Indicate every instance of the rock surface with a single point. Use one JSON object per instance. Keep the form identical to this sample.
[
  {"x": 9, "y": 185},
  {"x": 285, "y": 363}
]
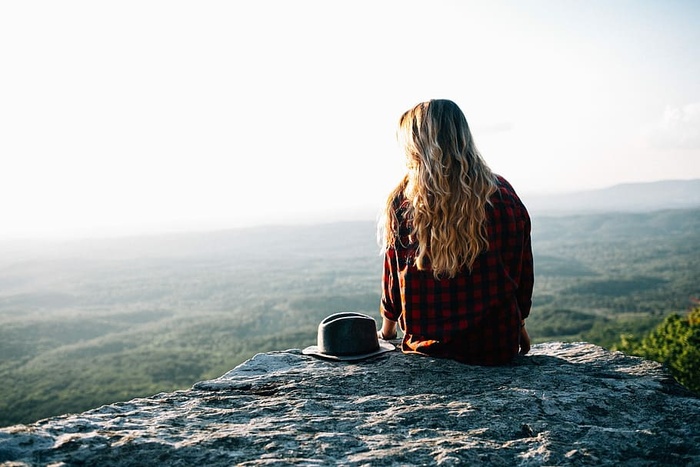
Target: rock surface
[{"x": 563, "y": 404}]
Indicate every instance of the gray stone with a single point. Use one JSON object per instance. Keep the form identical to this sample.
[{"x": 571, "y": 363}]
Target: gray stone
[{"x": 563, "y": 404}]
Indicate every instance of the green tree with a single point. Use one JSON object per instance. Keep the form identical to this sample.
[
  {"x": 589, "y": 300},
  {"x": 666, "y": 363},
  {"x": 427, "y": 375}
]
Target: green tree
[{"x": 676, "y": 343}]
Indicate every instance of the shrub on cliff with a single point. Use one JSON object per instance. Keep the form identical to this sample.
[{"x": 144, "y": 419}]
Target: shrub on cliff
[{"x": 676, "y": 343}]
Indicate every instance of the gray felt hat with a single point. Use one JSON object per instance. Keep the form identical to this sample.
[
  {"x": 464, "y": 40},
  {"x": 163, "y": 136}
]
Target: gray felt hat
[{"x": 348, "y": 336}]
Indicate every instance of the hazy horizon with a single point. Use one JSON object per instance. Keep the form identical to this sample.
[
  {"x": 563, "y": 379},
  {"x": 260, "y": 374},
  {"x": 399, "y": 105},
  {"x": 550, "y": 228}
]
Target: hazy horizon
[
  {"x": 152, "y": 116},
  {"x": 564, "y": 203}
]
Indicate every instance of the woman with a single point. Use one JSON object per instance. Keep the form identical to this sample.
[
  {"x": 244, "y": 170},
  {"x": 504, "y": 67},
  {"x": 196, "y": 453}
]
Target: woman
[{"x": 458, "y": 270}]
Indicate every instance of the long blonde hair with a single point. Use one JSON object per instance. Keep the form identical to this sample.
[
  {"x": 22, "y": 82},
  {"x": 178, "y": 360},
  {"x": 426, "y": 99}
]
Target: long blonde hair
[{"x": 448, "y": 186}]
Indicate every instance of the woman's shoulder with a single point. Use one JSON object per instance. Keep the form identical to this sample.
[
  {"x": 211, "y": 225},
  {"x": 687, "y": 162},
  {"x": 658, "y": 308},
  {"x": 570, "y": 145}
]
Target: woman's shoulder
[
  {"x": 503, "y": 188},
  {"x": 503, "y": 184},
  {"x": 505, "y": 193}
]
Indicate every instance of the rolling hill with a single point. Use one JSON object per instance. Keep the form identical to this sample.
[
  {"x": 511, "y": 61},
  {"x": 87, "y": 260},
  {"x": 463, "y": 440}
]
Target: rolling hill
[{"x": 628, "y": 197}]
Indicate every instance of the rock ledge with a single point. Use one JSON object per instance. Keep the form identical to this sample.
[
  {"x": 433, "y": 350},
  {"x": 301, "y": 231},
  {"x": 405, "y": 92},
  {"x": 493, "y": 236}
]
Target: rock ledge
[{"x": 564, "y": 404}]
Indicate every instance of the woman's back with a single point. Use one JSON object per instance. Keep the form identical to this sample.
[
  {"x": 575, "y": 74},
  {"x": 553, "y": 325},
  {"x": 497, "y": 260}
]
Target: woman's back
[{"x": 474, "y": 316}]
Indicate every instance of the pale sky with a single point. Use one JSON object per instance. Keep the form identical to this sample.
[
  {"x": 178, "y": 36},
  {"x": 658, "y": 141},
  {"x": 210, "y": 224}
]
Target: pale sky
[{"x": 121, "y": 117}]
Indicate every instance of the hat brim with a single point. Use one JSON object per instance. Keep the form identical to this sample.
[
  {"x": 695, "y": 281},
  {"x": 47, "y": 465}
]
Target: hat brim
[{"x": 316, "y": 352}]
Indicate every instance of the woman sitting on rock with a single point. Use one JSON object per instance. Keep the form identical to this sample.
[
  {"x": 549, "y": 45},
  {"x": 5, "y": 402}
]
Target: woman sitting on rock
[{"x": 458, "y": 270}]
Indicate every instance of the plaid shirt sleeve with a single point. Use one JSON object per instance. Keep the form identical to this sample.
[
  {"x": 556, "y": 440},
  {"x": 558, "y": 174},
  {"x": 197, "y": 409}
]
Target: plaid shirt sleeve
[
  {"x": 391, "y": 292},
  {"x": 488, "y": 302},
  {"x": 527, "y": 274}
]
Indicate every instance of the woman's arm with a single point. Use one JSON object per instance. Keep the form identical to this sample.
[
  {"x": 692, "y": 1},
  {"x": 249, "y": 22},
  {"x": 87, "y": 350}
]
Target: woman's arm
[
  {"x": 524, "y": 339},
  {"x": 390, "y": 305}
]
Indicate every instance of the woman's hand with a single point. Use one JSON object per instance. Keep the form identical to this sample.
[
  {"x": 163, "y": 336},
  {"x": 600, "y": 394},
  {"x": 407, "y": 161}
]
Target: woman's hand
[
  {"x": 524, "y": 340},
  {"x": 388, "y": 331}
]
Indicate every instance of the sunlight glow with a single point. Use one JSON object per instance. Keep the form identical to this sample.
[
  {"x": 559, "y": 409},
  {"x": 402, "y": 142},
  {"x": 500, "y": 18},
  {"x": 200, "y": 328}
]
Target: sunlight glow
[{"x": 153, "y": 115}]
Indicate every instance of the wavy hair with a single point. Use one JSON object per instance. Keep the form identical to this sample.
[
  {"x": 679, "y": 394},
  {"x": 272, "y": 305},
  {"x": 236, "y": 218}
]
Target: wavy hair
[{"x": 447, "y": 188}]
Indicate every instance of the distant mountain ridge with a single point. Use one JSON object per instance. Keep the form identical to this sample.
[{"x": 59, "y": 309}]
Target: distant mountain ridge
[{"x": 627, "y": 197}]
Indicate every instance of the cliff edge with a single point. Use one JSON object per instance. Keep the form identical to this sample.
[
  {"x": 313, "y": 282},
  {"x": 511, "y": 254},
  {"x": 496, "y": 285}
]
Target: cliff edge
[{"x": 563, "y": 404}]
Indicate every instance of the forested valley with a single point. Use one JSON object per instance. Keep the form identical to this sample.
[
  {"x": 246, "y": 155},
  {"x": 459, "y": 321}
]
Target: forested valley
[{"x": 85, "y": 323}]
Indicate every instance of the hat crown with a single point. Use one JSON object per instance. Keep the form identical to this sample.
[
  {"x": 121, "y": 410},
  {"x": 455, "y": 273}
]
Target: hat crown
[{"x": 347, "y": 333}]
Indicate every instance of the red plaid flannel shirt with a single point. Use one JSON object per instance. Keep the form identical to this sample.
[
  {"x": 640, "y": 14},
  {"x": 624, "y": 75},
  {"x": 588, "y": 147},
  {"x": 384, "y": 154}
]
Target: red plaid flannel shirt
[{"x": 472, "y": 317}]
